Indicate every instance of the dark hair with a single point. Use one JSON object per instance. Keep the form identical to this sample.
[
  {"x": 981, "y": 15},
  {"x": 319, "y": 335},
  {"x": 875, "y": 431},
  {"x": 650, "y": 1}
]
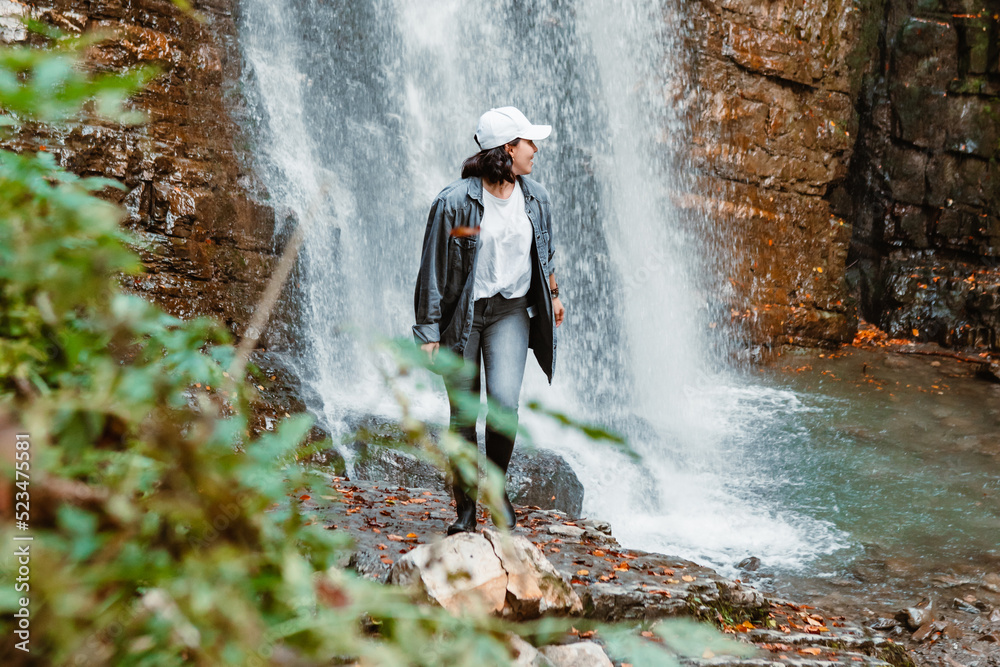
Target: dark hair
[{"x": 492, "y": 164}]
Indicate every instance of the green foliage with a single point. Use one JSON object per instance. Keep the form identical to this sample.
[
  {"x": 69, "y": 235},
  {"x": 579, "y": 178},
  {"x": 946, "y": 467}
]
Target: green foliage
[
  {"x": 683, "y": 638},
  {"x": 163, "y": 534},
  {"x": 50, "y": 85}
]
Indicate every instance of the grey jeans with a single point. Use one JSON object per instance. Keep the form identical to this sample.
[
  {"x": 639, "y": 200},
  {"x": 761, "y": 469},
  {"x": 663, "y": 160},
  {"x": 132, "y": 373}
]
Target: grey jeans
[{"x": 499, "y": 345}]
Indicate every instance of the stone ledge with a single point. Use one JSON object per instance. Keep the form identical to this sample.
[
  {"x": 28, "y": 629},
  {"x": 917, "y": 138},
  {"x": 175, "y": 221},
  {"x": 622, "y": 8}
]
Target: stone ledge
[{"x": 614, "y": 584}]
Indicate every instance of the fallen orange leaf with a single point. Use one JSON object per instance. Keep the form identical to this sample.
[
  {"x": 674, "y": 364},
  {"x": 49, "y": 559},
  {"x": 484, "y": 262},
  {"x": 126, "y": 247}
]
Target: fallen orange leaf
[{"x": 464, "y": 231}]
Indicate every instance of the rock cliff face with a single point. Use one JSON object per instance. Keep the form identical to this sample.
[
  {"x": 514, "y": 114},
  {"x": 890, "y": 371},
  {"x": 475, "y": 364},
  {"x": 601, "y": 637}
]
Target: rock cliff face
[
  {"x": 773, "y": 135},
  {"x": 925, "y": 187},
  {"x": 208, "y": 246}
]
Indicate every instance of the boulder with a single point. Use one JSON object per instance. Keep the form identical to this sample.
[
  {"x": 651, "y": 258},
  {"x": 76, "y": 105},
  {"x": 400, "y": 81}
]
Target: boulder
[
  {"x": 534, "y": 586},
  {"x": 581, "y": 654},
  {"x": 495, "y": 572},
  {"x": 393, "y": 466},
  {"x": 542, "y": 478},
  {"x": 538, "y": 478},
  {"x": 461, "y": 573}
]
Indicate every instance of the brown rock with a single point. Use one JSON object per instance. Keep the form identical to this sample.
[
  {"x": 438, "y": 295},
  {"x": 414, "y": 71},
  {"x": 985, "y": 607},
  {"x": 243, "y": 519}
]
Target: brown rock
[
  {"x": 773, "y": 132},
  {"x": 186, "y": 193}
]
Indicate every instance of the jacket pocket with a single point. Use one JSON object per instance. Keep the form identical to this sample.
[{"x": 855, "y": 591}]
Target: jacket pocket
[
  {"x": 463, "y": 252},
  {"x": 461, "y": 255}
]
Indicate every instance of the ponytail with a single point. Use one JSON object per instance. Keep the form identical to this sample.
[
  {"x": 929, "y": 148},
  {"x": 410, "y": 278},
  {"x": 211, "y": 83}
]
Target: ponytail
[{"x": 493, "y": 164}]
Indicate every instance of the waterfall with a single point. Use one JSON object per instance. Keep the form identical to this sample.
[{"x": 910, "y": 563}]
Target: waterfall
[{"x": 367, "y": 109}]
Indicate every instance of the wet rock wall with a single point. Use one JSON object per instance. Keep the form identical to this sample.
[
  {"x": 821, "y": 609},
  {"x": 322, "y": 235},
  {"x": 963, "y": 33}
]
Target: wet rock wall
[
  {"x": 774, "y": 127},
  {"x": 207, "y": 246},
  {"x": 925, "y": 192}
]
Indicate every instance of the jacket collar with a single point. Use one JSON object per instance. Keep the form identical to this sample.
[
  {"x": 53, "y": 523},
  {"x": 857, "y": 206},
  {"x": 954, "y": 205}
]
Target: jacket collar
[
  {"x": 476, "y": 189},
  {"x": 527, "y": 187}
]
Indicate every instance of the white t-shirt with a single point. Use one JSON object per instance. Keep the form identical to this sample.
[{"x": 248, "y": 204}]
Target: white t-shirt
[{"x": 504, "y": 264}]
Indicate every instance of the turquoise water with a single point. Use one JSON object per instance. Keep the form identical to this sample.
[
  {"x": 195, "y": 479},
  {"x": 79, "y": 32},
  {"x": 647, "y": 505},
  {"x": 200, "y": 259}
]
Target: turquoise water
[{"x": 900, "y": 452}]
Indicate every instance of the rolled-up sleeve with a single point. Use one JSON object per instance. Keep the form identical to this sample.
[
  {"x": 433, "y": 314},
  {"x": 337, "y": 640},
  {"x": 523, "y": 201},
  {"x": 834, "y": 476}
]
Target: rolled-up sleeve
[{"x": 432, "y": 275}]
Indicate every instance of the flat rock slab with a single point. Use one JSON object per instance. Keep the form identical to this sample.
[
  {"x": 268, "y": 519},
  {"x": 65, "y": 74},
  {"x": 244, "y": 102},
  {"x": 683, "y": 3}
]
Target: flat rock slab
[
  {"x": 613, "y": 583},
  {"x": 388, "y": 522}
]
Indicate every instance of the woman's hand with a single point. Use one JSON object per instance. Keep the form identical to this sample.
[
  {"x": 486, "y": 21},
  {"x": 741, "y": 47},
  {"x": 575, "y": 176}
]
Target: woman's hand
[
  {"x": 558, "y": 310},
  {"x": 431, "y": 349}
]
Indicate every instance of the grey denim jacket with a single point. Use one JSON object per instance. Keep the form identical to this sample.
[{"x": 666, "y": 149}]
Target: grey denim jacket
[{"x": 443, "y": 301}]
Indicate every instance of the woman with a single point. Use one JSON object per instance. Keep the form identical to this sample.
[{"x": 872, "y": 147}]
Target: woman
[{"x": 487, "y": 288}]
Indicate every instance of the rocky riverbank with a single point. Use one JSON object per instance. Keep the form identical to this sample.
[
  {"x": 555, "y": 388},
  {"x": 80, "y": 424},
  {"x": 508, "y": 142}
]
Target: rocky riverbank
[
  {"x": 393, "y": 527},
  {"x": 877, "y": 578}
]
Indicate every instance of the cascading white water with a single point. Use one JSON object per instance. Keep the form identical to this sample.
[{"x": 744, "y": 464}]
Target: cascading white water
[{"x": 366, "y": 110}]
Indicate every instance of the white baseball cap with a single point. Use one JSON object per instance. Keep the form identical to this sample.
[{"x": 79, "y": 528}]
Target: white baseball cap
[{"x": 500, "y": 126}]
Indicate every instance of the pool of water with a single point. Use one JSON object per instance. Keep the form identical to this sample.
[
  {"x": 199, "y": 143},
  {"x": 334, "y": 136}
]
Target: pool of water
[{"x": 901, "y": 453}]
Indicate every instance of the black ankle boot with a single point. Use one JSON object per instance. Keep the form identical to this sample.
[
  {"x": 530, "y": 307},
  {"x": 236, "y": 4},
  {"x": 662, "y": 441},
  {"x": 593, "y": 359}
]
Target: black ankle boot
[
  {"x": 507, "y": 514},
  {"x": 465, "y": 503}
]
